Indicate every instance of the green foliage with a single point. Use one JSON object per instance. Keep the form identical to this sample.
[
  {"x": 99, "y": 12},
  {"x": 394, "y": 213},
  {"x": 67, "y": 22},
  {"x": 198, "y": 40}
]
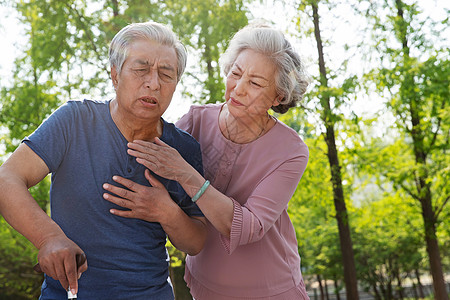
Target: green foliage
[
  {"x": 206, "y": 27},
  {"x": 388, "y": 243},
  {"x": 18, "y": 280},
  {"x": 17, "y": 258},
  {"x": 24, "y": 106}
]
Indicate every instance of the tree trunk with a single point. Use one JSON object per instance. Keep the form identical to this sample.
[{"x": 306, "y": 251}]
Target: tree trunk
[
  {"x": 414, "y": 288},
  {"x": 322, "y": 294},
  {"x": 327, "y": 296},
  {"x": 336, "y": 290},
  {"x": 399, "y": 285},
  {"x": 115, "y": 7},
  {"x": 433, "y": 251},
  {"x": 336, "y": 178},
  {"x": 389, "y": 294},
  {"x": 375, "y": 291},
  {"x": 419, "y": 284}
]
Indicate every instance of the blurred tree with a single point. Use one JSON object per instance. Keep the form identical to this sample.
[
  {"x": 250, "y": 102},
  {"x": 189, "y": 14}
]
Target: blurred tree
[
  {"x": 388, "y": 244},
  {"x": 328, "y": 101},
  {"x": 414, "y": 75}
]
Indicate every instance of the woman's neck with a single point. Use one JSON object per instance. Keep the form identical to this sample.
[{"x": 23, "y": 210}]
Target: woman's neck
[{"x": 243, "y": 130}]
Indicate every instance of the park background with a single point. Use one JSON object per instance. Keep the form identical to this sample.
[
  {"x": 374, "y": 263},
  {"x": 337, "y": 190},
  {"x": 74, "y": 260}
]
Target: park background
[{"x": 371, "y": 212}]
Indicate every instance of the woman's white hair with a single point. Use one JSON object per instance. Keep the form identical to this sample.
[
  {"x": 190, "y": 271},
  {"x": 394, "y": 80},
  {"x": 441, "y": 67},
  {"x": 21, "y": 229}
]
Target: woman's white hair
[
  {"x": 118, "y": 50},
  {"x": 291, "y": 81}
]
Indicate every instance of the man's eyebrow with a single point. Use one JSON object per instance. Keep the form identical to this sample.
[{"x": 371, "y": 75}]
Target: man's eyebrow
[
  {"x": 164, "y": 66},
  {"x": 142, "y": 62},
  {"x": 168, "y": 67}
]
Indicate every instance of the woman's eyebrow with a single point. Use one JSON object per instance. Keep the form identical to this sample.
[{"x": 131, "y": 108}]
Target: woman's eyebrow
[{"x": 253, "y": 75}]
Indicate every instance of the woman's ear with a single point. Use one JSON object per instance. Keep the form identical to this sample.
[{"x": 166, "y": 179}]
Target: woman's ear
[{"x": 277, "y": 100}]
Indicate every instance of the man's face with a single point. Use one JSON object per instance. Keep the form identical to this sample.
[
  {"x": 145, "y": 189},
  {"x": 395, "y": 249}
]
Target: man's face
[{"x": 145, "y": 86}]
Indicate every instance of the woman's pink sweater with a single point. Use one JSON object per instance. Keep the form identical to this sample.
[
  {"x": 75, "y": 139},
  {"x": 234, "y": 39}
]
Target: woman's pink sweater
[{"x": 260, "y": 260}]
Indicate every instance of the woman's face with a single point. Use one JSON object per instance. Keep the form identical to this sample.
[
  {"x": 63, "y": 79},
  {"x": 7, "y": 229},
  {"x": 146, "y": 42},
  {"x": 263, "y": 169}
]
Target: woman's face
[
  {"x": 147, "y": 81},
  {"x": 250, "y": 85}
]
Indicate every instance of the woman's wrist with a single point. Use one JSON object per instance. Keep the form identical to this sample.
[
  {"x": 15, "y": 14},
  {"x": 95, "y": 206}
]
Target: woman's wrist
[{"x": 200, "y": 191}]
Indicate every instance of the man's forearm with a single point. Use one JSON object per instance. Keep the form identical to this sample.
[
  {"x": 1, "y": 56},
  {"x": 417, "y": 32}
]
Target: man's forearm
[{"x": 187, "y": 234}]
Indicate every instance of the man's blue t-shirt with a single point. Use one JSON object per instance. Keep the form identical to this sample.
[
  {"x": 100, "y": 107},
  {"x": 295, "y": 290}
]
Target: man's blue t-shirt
[{"x": 83, "y": 148}]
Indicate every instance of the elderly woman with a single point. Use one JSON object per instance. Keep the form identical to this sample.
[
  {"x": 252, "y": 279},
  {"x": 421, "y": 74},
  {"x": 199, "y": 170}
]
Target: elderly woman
[
  {"x": 83, "y": 144},
  {"x": 253, "y": 164}
]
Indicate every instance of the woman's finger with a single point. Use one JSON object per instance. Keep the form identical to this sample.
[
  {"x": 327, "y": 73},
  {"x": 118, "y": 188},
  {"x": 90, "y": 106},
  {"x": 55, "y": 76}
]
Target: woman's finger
[
  {"x": 143, "y": 155},
  {"x": 143, "y": 146},
  {"x": 158, "y": 141}
]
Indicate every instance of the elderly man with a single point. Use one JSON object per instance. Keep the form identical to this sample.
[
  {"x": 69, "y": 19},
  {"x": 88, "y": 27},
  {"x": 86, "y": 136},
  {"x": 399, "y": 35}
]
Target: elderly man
[{"x": 84, "y": 145}]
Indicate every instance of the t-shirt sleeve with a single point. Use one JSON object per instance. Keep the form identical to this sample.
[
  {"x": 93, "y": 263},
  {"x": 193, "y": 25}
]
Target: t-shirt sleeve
[
  {"x": 264, "y": 206},
  {"x": 49, "y": 141}
]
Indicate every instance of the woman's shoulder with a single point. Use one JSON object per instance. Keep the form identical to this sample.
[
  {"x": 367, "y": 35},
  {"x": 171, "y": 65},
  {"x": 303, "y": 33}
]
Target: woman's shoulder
[
  {"x": 205, "y": 108},
  {"x": 289, "y": 139},
  {"x": 203, "y": 115}
]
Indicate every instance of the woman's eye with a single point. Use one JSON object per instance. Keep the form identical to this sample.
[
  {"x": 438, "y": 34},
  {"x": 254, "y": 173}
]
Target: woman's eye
[{"x": 255, "y": 84}]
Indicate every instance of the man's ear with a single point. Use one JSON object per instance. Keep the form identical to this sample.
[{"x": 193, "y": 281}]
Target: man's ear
[{"x": 114, "y": 76}]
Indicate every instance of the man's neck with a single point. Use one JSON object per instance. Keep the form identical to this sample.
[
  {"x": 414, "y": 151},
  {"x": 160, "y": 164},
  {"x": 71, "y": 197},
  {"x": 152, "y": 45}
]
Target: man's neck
[{"x": 136, "y": 129}]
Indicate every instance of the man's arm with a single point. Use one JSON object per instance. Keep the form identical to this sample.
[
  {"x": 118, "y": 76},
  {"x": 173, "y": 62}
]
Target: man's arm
[
  {"x": 153, "y": 204},
  {"x": 57, "y": 253}
]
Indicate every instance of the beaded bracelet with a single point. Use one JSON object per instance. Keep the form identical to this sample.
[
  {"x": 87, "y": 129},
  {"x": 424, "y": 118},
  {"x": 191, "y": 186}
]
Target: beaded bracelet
[{"x": 200, "y": 191}]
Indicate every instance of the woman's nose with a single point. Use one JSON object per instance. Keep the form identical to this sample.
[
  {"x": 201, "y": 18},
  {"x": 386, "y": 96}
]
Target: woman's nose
[{"x": 239, "y": 88}]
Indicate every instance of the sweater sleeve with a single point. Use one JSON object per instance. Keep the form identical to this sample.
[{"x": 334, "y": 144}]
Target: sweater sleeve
[{"x": 265, "y": 205}]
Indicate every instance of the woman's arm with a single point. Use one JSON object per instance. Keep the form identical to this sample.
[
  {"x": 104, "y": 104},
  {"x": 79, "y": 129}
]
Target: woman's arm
[
  {"x": 168, "y": 163},
  {"x": 239, "y": 224}
]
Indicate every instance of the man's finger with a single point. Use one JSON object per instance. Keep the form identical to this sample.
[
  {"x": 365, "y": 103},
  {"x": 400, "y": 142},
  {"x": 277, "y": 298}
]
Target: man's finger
[
  {"x": 122, "y": 202},
  {"x": 70, "y": 266},
  {"x": 152, "y": 179},
  {"x": 123, "y": 213},
  {"x": 61, "y": 274},
  {"x": 125, "y": 182}
]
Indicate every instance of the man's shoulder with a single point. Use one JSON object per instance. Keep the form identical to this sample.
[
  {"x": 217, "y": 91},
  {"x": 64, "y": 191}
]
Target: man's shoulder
[
  {"x": 178, "y": 138},
  {"x": 84, "y": 105},
  {"x": 184, "y": 143},
  {"x": 87, "y": 104}
]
